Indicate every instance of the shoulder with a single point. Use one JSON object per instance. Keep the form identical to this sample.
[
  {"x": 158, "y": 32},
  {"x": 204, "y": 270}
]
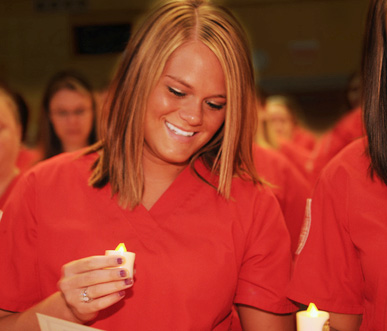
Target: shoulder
[
  {"x": 350, "y": 160},
  {"x": 63, "y": 166},
  {"x": 249, "y": 196}
]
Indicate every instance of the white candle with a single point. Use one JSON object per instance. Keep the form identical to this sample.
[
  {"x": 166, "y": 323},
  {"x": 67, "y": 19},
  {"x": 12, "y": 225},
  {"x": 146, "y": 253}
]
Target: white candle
[
  {"x": 311, "y": 319},
  {"x": 129, "y": 257}
]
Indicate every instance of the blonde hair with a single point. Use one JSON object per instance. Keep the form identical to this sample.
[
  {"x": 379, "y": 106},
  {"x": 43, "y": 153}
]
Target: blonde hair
[{"x": 168, "y": 26}]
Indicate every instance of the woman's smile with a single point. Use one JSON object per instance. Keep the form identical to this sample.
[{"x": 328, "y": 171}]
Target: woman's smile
[
  {"x": 178, "y": 131},
  {"x": 187, "y": 106}
]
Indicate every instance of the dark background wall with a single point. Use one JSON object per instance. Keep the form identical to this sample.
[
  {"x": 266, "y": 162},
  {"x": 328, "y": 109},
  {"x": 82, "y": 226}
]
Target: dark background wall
[{"x": 307, "y": 48}]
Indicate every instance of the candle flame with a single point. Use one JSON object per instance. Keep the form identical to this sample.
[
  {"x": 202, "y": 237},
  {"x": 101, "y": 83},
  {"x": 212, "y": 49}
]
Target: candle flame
[
  {"x": 121, "y": 248},
  {"x": 312, "y": 310}
]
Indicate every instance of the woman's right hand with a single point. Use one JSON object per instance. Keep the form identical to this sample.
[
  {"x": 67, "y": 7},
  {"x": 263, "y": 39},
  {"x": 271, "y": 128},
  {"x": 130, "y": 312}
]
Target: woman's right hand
[{"x": 93, "y": 284}]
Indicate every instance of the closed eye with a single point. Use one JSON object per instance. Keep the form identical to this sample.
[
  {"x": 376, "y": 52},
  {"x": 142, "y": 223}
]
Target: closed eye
[
  {"x": 215, "y": 106},
  {"x": 176, "y": 92}
]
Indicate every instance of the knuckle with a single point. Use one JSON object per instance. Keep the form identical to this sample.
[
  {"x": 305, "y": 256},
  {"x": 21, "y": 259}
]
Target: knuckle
[
  {"x": 63, "y": 285},
  {"x": 64, "y": 269},
  {"x": 88, "y": 264}
]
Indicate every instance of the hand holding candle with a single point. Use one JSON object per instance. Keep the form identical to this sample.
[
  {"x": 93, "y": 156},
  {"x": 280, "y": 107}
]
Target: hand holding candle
[
  {"x": 129, "y": 257},
  {"x": 312, "y": 319}
]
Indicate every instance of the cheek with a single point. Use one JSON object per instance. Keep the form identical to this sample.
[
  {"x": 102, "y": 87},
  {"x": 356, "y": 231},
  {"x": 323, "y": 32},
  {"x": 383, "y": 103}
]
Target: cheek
[
  {"x": 159, "y": 104},
  {"x": 215, "y": 121},
  {"x": 57, "y": 125},
  {"x": 88, "y": 122},
  {"x": 9, "y": 142}
]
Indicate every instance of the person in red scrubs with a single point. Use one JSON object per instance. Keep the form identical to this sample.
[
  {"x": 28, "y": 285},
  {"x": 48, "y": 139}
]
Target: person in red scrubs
[
  {"x": 173, "y": 178},
  {"x": 340, "y": 265},
  {"x": 69, "y": 115},
  {"x": 28, "y": 156},
  {"x": 284, "y": 117},
  {"x": 10, "y": 142}
]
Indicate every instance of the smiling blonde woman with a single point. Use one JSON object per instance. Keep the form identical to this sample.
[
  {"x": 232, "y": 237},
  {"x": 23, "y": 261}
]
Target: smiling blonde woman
[{"x": 173, "y": 179}]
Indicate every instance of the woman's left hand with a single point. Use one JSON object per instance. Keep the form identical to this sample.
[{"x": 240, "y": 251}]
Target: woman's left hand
[{"x": 92, "y": 284}]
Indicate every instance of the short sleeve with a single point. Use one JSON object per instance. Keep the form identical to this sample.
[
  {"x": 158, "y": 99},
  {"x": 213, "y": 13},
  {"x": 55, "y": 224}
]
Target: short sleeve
[
  {"x": 19, "y": 287},
  {"x": 327, "y": 271},
  {"x": 265, "y": 270}
]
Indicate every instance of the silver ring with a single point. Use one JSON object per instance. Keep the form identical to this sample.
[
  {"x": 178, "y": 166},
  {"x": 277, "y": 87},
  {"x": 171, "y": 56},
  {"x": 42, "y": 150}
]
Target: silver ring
[{"x": 84, "y": 297}]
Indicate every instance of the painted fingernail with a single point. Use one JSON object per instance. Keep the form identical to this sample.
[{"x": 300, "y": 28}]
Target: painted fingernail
[
  {"x": 128, "y": 281},
  {"x": 119, "y": 260},
  {"x": 121, "y": 293},
  {"x": 122, "y": 273}
]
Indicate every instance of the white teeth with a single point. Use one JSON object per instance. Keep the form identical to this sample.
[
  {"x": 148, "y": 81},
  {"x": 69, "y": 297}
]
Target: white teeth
[{"x": 178, "y": 131}]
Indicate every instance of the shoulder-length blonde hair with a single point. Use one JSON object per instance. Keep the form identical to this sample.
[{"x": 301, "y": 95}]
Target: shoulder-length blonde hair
[{"x": 168, "y": 26}]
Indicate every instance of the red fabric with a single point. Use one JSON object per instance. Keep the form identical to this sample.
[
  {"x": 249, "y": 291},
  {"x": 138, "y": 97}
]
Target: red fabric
[
  {"x": 27, "y": 158},
  {"x": 5, "y": 195},
  {"x": 347, "y": 129},
  {"x": 311, "y": 162},
  {"x": 301, "y": 157},
  {"x": 304, "y": 138},
  {"x": 288, "y": 185},
  {"x": 342, "y": 268},
  {"x": 196, "y": 253}
]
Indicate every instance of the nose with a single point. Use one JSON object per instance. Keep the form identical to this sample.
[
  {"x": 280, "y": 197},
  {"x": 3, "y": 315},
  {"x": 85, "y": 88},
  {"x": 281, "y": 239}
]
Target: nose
[{"x": 192, "y": 114}]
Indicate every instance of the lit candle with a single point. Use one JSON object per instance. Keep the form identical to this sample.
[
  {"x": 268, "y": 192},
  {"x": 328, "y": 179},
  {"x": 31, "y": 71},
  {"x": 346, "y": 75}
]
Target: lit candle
[
  {"x": 312, "y": 319},
  {"x": 129, "y": 257}
]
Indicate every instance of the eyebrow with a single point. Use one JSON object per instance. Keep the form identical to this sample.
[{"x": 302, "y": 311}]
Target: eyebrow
[{"x": 190, "y": 87}]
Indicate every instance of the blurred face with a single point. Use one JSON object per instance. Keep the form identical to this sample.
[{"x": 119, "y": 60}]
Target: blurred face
[
  {"x": 279, "y": 120},
  {"x": 10, "y": 137},
  {"x": 187, "y": 106},
  {"x": 71, "y": 115}
]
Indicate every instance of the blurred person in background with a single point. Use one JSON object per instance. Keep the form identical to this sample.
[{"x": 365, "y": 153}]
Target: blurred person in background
[
  {"x": 348, "y": 128},
  {"x": 27, "y": 156},
  {"x": 340, "y": 258},
  {"x": 10, "y": 141},
  {"x": 288, "y": 183},
  {"x": 68, "y": 120},
  {"x": 284, "y": 117}
]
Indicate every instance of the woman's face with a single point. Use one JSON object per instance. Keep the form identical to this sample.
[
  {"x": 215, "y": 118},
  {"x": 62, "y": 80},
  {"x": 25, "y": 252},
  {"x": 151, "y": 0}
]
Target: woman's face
[
  {"x": 187, "y": 106},
  {"x": 10, "y": 137},
  {"x": 279, "y": 120},
  {"x": 71, "y": 115}
]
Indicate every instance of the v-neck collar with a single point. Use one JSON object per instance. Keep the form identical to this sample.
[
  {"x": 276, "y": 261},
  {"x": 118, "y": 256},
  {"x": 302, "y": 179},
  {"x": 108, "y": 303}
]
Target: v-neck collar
[{"x": 185, "y": 185}]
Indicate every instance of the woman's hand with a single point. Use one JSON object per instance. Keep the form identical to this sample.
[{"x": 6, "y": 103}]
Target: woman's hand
[{"x": 92, "y": 284}]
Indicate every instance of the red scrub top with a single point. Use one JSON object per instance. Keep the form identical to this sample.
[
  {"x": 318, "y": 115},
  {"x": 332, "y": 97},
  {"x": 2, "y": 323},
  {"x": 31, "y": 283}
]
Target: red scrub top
[
  {"x": 346, "y": 130},
  {"x": 300, "y": 157},
  {"x": 341, "y": 266},
  {"x": 288, "y": 185},
  {"x": 196, "y": 253},
  {"x": 27, "y": 158},
  {"x": 303, "y": 137},
  {"x": 7, "y": 192}
]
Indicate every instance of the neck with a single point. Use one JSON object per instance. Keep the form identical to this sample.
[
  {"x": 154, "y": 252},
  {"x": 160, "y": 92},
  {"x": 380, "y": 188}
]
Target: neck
[
  {"x": 158, "y": 176},
  {"x": 73, "y": 147}
]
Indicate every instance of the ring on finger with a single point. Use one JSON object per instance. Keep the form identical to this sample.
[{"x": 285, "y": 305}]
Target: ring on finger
[{"x": 84, "y": 296}]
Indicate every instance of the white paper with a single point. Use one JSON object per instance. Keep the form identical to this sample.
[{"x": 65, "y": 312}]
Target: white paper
[{"x": 49, "y": 323}]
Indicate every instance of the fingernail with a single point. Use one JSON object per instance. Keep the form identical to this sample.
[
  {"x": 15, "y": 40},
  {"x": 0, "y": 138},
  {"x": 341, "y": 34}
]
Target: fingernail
[
  {"x": 128, "y": 281},
  {"x": 122, "y": 273},
  {"x": 121, "y": 293},
  {"x": 119, "y": 260}
]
